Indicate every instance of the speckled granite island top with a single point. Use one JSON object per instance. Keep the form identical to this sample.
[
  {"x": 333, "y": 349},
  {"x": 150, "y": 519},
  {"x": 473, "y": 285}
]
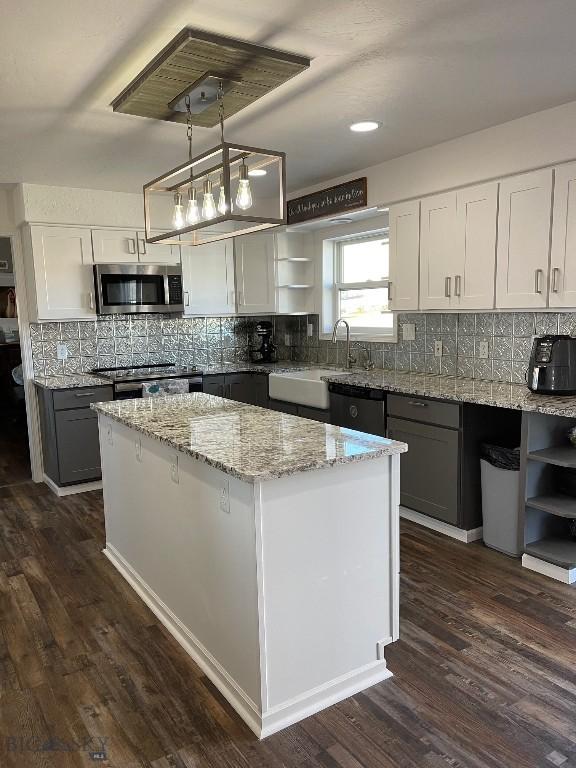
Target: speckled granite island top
[
  {"x": 500, "y": 395},
  {"x": 250, "y": 443}
]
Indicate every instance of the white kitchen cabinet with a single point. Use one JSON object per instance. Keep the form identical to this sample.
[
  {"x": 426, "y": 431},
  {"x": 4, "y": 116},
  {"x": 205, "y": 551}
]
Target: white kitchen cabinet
[
  {"x": 563, "y": 261},
  {"x": 156, "y": 253},
  {"x": 437, "y": 251},
  {"x": 115, "y": 246},
  {"x": 404, "y": 255},
  {"x": 208, "y": 278},
  {"x": 473, "y": 280},
  {"x": 523, "y": 253},
  {"x": 127, "y": 246},
  {"x": 60, "y": 282},
  {"x": 255, "y": 265}
]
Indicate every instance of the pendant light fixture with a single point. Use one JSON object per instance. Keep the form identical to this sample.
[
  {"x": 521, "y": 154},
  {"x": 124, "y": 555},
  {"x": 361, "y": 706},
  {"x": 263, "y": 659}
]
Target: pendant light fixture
[{"x": 257, "y": 205}]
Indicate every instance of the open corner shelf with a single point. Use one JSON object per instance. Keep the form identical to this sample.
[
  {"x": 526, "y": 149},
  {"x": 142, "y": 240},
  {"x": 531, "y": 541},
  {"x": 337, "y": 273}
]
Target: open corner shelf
[
  {"x": 559, "y": 552},
  {"x": 559, "y": 455},
  {"x": 555, "y": 504}
]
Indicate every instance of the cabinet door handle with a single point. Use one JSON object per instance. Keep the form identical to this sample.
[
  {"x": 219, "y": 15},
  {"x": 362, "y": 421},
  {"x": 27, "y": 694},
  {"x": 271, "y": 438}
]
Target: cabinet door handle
[
  {"x": 232, "y": 298},
  {"x": 390, "y": 290},
  {"x": 141, "y": 246},
  {"x": 447, "y": 287},
  {"x": 353, "y": 411},
  {"x": 537, "y": 276},
  {"x": 84, "y": 394},
  {"x": 131, "y": 244},
  {"x": 457, "y": 285},
  {"x": 186, "y": 298},
  {"x": 91, "y": 300},
  {"x": 418, "y": 403},
  {"x": 555, "y": 276}
]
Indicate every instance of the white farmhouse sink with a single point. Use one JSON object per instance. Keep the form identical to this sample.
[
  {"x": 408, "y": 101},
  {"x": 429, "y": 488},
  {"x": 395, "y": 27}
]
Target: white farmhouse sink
[{"x": 302, "y": 387}]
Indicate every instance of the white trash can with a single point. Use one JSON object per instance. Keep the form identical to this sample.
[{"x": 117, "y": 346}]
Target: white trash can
[{"x": 500, "y": 473}]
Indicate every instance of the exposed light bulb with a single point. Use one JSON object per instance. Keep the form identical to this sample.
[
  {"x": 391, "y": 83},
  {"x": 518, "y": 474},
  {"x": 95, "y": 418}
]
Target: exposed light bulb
[
  {"x": 244, "y": 195},
  {"x": 192, "y": 209},
  {"x": 178, "y": 219},
  {"x": 208, "y": 204},
  {"x": 222, "y": 204}
]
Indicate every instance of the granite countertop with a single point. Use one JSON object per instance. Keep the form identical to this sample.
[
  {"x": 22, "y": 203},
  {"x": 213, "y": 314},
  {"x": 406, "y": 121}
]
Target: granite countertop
[
  {"x": 250, "y": 443},
  {"x": 70, "y": 381},
  {"x": 500, "y": 395}
]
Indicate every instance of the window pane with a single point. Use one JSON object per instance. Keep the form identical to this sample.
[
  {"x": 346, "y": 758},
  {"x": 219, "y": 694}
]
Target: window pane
[
  {"x": 366, "y": 308},
  {"x": 364, "y": 260}
]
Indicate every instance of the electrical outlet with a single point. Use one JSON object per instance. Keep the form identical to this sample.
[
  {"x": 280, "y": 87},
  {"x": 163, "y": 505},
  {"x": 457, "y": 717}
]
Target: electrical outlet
[
  {"x": 225, "y": 498},
  {"x": 438, "y": 349},
  {"x": 287, "y": 340},
  {"x": 310, "y": 330},
  {"x": 483, "y": 350},
  {"x": 408, "y": 331},
  {"x": 61, "y": 351}
]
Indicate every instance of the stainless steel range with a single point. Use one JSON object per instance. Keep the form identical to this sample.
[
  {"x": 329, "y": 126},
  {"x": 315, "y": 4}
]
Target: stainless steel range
[{"x": 128, "y": 382}]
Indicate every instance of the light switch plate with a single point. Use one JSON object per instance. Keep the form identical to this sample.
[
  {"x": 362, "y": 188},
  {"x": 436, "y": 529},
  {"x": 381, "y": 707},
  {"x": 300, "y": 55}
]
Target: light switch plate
[
  {"x": 437, "y": 349},
  {"x": 483, "y": 350},
  {"x": 61, "y": 351},
  {"x": 408, "y": 331}
]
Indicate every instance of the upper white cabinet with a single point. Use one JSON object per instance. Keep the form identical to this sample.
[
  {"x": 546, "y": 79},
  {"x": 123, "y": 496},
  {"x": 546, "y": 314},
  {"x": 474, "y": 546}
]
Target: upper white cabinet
[
  {"x": 523, "y": 253},
  {"x": 208, "y": 278},
  {"x": 58, "y": 263},
  {"x": 563, "y": 259},
  {"x": 125, "y": 246},
  {"x": 437, "y": 249},
  {"x": 404, "y": 255},
  {"x": 475, "y": 247},
  {"x": 114, "y": 246},
  {"x": 156, "y": 253},
  {"x": 255, "y": 265}
]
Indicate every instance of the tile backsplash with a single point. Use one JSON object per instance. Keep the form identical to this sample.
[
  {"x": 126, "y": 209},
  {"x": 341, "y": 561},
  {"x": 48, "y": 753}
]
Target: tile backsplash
[
  {"x": 148, "y": 339},
  {"x": 507, "y": 334}
]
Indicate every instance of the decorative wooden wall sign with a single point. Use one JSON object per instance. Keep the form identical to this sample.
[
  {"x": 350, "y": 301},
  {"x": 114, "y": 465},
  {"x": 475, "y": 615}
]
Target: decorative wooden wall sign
[{"x": 327, "y": 202}]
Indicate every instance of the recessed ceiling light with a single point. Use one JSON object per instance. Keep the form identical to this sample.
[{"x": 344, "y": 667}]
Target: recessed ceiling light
[
  {"x": 364, "y": 126},
  {"x": 341, "y": 220},
  {"x": 257, "y": 172}
]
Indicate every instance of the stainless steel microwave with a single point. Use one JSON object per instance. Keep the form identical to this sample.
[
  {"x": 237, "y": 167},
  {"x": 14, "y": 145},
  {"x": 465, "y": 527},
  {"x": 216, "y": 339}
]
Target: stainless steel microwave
[{"x": 131, "y": 288}]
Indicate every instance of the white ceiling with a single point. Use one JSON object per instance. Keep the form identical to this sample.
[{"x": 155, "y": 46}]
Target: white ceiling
[{"x": 430, "y": 70}]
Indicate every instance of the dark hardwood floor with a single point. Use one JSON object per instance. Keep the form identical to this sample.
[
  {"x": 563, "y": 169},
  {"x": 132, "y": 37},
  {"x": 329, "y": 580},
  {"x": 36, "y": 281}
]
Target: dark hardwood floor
[
  {"x": 485, "y": 672},
  {"x": 14, "y": 450}
]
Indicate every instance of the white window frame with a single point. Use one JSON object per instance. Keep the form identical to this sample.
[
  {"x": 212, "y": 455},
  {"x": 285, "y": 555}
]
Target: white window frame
[{"x": 336, "y": 285}]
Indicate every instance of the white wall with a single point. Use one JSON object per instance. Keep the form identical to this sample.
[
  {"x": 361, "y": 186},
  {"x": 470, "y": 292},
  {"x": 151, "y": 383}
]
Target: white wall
[
  {"x": 543, "y": 138},
  {"x": 65, "y": 205},
  {"x": 6, "y": 216}
]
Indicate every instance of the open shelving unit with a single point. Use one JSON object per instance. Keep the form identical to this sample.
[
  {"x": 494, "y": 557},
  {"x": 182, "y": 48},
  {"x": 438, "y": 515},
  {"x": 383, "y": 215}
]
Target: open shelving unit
[
  {"x": 548, "y": 502},
  {"x": 294, "y": 275}
]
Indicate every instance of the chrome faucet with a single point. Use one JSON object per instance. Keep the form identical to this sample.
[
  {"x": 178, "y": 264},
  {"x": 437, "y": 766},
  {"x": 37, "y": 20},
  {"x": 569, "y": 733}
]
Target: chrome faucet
[{"x": 349, "y": 359}]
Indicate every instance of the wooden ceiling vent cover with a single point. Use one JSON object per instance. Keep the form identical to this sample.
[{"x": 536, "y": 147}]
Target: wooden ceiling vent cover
[{"x": 193, "y": 63}]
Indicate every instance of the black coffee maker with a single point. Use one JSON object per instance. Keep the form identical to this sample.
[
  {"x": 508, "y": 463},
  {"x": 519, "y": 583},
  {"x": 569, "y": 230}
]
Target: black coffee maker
[
  {"x": 267, "y": 351},
  {"x": 552, "y": 367}
]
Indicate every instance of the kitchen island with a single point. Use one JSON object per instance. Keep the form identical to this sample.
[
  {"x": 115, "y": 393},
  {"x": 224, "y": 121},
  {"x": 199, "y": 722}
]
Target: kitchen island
[{"x": 267, "y": 544}]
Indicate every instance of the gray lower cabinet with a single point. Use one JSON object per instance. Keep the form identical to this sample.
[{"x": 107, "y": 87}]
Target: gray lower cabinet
[
  {"x": 429, "y": 479},
  {"x": 70, "y": 445},
  {"x": 251, "y": 388}
]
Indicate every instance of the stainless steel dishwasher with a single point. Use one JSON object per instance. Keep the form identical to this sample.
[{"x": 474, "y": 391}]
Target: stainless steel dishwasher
[{"x": 358, "y": 408}]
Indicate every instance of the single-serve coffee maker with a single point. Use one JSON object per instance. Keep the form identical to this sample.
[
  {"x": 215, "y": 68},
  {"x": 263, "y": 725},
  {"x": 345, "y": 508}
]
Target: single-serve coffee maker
[{"x": 266, "y": 353}]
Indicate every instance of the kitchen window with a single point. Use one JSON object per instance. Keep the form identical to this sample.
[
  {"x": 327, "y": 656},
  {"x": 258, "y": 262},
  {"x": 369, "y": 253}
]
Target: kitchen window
[{"x": 361, "y": 284}]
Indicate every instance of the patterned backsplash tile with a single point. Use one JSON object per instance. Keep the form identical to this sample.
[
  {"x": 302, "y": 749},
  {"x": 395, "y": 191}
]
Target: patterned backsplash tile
[
  {"x": 508, "y": 336},
  {"x": 145, "y": 340}
]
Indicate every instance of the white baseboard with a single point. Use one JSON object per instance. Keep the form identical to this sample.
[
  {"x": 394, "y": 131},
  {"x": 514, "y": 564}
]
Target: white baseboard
[
  {"x": 440, "y": 527},
  {"x": 276, "y": 718},
  {"x": 565, "y": 575},
  {"x": 69, "y": 490}
]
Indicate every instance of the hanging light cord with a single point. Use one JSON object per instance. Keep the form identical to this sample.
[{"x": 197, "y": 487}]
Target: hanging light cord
[
  {"x": 221, "y": 109},
  {"x": 189, "y": 132}
]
